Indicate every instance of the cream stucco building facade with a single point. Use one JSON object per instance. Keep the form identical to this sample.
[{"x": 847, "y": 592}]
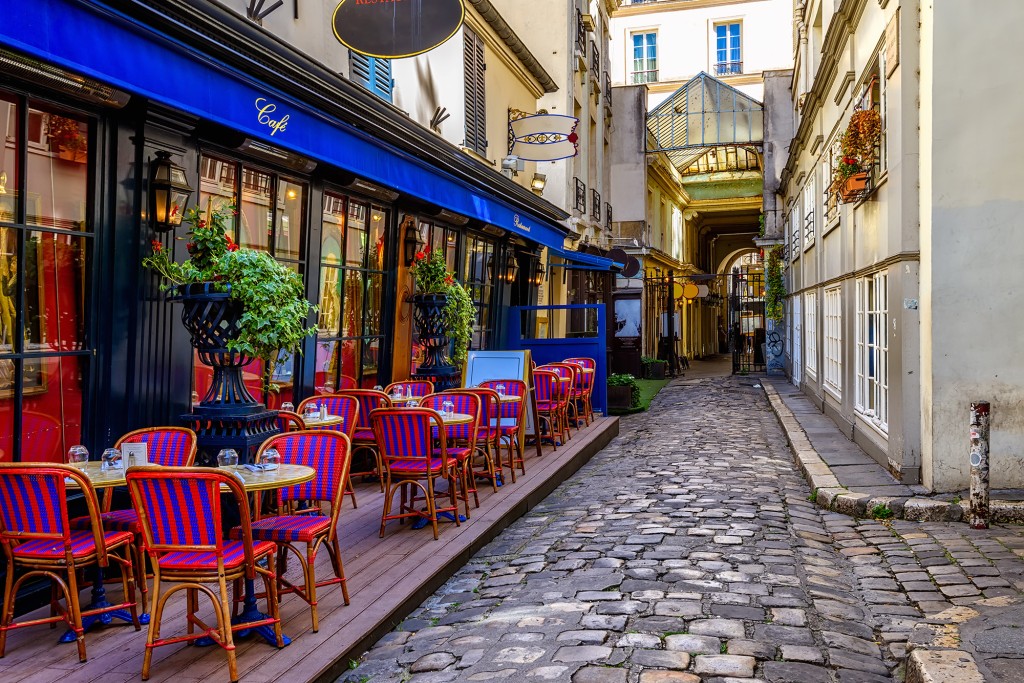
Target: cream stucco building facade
[{"x": 901, "y": 296}]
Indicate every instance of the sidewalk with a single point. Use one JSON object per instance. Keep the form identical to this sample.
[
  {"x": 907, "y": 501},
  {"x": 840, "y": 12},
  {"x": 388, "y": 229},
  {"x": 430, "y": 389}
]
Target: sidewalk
[{"x": 845, "y": 479}]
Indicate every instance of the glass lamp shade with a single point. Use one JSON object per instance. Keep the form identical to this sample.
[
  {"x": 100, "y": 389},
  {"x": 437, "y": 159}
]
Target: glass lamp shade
[
  {"x": 169, "y": 192},
  {"x": 511, "y": 269},
  {"x": 412, "y": 242}
]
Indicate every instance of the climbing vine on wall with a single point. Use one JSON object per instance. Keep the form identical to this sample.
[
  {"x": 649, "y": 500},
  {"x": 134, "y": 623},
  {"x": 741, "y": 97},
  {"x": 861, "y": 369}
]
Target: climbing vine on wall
[{"x": 775, "y": 287}]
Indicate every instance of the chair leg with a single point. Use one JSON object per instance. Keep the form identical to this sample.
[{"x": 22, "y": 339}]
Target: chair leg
[
  {"x": 154, "y": 623},
  {"x": 339, "y": 569},
  {"x": 388, "y": 493},
  {"x": 8, "y": 615},
  {"x": 310, "y": 574},
  {"x": 351, "y": 491},
  {"x": 432, "y": 508},
  {"x": 192, "y": 600},
  {"x": 141, "y": 584},
  {"x": 76, "y": 610},
  {"x": 128, "y": 576},
  {"x": 273, "y": 599},
  {"x": 227, "y": 636}
]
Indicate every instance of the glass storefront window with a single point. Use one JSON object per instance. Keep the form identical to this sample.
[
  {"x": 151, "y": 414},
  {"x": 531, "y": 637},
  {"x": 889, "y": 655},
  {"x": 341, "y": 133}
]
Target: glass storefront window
[
  {"x": 477, "y": 277},
  {"x": 352, "y": 303},
  {"x": 271, "y": 217},
  {"x": 45, "y": 245}
]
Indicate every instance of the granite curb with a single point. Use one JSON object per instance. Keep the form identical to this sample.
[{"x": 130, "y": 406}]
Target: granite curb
[{"x": 830, "y": 494}]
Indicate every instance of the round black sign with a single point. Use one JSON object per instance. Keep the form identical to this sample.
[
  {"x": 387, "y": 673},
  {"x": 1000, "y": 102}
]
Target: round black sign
[
  {"x": 618, "y": 255},
  {"x": 396, "y": 28},
  {"x": 632, "y": 267}
]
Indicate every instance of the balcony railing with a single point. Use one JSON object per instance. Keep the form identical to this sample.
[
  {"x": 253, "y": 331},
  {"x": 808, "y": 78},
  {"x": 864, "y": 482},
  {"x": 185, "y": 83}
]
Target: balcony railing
[
  {"x": 608, "y": 216},
  {"x": 581, "y": 196},
  {"x": 595, "y": 59},
  {"x": 581, "y": 33},
  {"x": 595, "y": 205},
  {"x": 607, "y": 89},
  {"x": 650, "y": 76},
  {"x": 728, "y": 68}
]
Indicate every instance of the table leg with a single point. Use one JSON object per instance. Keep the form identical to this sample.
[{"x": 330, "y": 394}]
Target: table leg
[{"x": 99, "y": 601}]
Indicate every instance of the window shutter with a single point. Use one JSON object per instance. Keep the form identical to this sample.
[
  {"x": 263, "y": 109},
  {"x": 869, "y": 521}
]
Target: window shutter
[
  {"x": 372, "y": 73},
  {"x": 476, "y": 120}
]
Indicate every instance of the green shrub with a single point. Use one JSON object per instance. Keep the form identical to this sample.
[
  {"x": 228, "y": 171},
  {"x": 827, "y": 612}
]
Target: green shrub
[{"x": 625, "y": 380}]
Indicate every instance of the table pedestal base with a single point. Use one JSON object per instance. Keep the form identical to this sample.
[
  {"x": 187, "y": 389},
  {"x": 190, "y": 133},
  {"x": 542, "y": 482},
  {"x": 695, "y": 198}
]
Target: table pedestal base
[
  {"x": 250, "y": 613},
  {"x": 99, "y": 601}
]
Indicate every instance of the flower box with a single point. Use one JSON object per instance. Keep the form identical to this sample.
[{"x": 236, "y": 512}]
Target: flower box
[{"x": 854, "y": 186}]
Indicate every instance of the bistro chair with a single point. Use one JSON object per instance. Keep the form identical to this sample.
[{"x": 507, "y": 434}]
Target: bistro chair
[
  {"x": 462, "y": 438},
  {"x": 510, "y": 421},
  {"x": 417, "y": 388},
  {"x": 288, "y": 421},
  {"x": 567, "y": 390},
  {"x": 37, "y": 536},
  {"x": 489, "y": 434},
  {"x": 585, "y": 386},
  {"x": 363, "y": 438},
  {"x": 165, "y": 446},
  {"x": 347, "y": 407},
  {"x": 180, "y": 512},
  {"x": 411, "y": 461},
  {"x": 547, "y": 387},
  {"x": 330, "y": 454}
]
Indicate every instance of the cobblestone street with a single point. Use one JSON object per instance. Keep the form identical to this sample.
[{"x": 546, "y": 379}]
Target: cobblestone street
[{"x": 689, "y": 550}]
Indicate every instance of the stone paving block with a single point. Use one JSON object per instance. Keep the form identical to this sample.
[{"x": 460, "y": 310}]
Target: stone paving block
[
  {"x": 584, "y": 653},
  {"x": 599, "y": 674},
  {"x": 667, "y": 677},
  {"x": 693, "y": 644},
  {"x": 663, "y": 659},
  {"x": 725, "y": 665}
]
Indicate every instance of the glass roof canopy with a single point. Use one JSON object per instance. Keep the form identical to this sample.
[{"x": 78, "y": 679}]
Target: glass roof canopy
[{"x": 702, "y": 115}]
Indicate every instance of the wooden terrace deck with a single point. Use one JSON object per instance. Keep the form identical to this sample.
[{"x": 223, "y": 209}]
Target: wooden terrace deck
[{"x": 387, "y": 578}]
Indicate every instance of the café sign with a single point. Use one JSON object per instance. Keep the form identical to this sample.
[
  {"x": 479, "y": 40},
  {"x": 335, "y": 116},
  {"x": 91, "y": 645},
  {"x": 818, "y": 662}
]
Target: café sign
[{"x": 396, "y": 28}]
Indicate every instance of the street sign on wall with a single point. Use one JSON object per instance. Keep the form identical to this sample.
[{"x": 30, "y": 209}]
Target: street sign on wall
[{"x": 396, "y": 28}]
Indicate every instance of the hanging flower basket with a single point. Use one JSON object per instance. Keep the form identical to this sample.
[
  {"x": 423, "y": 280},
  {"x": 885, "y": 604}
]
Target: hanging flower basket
[{"x": 854, "y": 187}]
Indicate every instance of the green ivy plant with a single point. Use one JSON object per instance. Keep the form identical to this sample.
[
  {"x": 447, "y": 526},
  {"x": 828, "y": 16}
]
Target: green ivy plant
[
  {"x": 431, "y": 276},
  {"x": 273, "y": 324},
  {"x": 775, "y": 286},
  {"x": 627, "y": 380}
]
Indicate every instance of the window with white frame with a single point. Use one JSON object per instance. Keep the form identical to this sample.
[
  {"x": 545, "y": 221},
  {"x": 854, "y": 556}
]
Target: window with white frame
[
  {"x": 811, "y": 333},
  {"x": 832, "y": 333},
  {"x": 809, "y": 214},
  {"x": 794, "y": 225},
  {"x": 728, "y": 50},
  {"x": 789, "y": 328},
  {"x": 829, "y": 198},
  {"x": 872, "y": 397},
  {"x": 645, "y": 57}
]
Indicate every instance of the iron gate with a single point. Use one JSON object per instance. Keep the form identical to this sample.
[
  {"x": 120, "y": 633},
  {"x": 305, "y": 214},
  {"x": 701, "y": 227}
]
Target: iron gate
[
  {"x": 747, "y": 334},
  {"x": 661, "y": 318}
]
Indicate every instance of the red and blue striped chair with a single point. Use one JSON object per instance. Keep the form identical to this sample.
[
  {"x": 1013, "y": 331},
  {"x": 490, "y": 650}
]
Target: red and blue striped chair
[
  {"x": 363, "y": 438},
  {"x": 180, "y": 512},
  {"x": 489, "y": 434},
  {"x": 288, "y": 421},
  {"x": 510, "y": 424},
  {"x": 584, "y": 386},
  {"x": 461, "y": 438},
  {"x": 419, "y": 388},
  {"x": 405, "y": 441},
  {"x": 547, "y": 387},
  {"x": 37, "y": 536},
  {"x": 167, "y": 447},
  {"x": 348, "y": 408},
  {"x": 569, "y": 373},
  {"x": 330, "y": 454}
]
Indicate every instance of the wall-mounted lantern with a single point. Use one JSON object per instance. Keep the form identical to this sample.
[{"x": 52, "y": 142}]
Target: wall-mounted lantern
[
  {"x": 169, "y": 193},
  {"x": 412, "y": 242}
]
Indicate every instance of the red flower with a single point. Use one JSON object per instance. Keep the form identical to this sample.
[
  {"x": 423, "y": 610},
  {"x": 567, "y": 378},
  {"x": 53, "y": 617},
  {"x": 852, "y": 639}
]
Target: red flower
[
  {"x": 201, "y": 224},
  {"x": 850, "y": 160},
  {"x": 191, "y": 246},
  {"x": 157, "y": 246},
  {"x": 450, "y": 280},
  {"x": 232, "y": 247},
  {"x": 420, "y": 256}
]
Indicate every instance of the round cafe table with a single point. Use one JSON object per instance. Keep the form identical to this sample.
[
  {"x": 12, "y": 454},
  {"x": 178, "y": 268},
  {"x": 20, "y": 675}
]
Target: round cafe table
[
  {"x": 252, "y": 481},
  {"x": 326, "y": 421}
]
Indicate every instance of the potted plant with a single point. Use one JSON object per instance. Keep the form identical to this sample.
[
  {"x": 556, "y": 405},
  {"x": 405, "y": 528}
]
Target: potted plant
[
  {"x": 239, "y": 305},
  {"x": 623, "y": 393},
  {"x": 653, "y": 368},
  {"x": 857, "y": 153},
  {"x": 67, "y": 139},
  {"x": 443, "y": 314}
]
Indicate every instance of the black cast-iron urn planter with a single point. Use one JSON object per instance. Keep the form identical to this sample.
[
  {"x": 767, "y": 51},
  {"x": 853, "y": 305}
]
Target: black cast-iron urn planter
[{"x": 428, "y": 316}]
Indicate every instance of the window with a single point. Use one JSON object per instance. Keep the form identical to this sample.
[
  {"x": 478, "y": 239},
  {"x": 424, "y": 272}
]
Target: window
[
  {"x": 46, "y": 243},
  {"x": 373, "y": 73},
  {"x": 353, "y": 279},
  {"x": 833, "y": 340},
  {"x": 811, "y": 333},
  {"x": 829, "y": 198},
  {"x": 476, "y": 110},
  {"x": 271, "y": 217},
  {"x": 478, "y": 272},
  {"x": 728, "y": 58},
  {"x": 645, "y": 58},
  {"x": 872, "y": 399},
  {"x": 809, "y": 215}
]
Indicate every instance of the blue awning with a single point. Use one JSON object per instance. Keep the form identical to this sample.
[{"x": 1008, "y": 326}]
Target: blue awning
[
  {"x": 103, "y": 44},
  {"x": 577, "y": 260}
]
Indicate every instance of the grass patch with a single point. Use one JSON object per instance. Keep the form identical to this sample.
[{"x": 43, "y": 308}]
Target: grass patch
[
  {"x": 814, "y": 496},
  {"x": 882, "y": 511},
  {"x": 649, "y": 388}
]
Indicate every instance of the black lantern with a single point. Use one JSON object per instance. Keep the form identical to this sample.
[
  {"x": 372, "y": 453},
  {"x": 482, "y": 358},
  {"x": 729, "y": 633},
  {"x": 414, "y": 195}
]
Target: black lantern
[
  {"x": 412, "y": 242},
  {"x": 169, "y": 193},
  {"x": 538, "y": 273},
  {"x": 511, "y": 268}
]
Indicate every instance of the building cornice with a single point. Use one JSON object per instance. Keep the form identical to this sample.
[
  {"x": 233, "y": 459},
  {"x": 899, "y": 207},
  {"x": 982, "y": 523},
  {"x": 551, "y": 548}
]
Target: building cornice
[
  {"x": 212, "y": 29},
  {"x": 490, "y": 15},
  {"x": 673, "y": 85},
  {"x": 659, "y": 6}
]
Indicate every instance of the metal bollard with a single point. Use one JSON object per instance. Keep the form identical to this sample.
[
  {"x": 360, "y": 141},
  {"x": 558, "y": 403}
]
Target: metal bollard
[{"x": 978, "y": 514}]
